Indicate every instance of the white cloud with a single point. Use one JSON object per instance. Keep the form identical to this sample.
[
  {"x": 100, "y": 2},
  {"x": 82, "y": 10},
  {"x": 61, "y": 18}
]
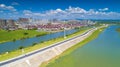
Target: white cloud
[
  {"x": 69, "y": 13},
  {"x": 4, "y": 7},
  {"x": 15, "y": 3},
  {"x": 11, "y": 8},
  {"x": 73, "y": 13},
  {"x": 104, "y": 9},
  {"x": 53, "y": 12},
  {"x": 30, "y": 13},
  {"x": 76, "y": 12},
  {"x": 27, "y": 12}
]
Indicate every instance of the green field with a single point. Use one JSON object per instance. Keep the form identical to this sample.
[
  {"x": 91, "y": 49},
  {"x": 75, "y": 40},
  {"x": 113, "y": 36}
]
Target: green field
[
  {"x": 6, "y": 36},
  {"x": 52, "y": 61},
  {"x": 18, "y": 52}
]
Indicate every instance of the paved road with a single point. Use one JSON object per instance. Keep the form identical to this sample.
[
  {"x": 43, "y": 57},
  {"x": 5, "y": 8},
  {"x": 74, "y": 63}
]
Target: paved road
[{"x": 40, "y": 50}]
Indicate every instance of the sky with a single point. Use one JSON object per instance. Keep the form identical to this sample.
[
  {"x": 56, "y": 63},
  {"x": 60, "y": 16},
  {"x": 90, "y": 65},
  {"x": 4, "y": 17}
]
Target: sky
[{"x": 60, "y": 9}]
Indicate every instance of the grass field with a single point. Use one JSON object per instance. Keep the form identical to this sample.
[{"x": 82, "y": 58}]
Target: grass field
[
  {"x": 18, "y": 34},
  {"x": 18, "y": 52},
  {"x": 93, "y": 36}
]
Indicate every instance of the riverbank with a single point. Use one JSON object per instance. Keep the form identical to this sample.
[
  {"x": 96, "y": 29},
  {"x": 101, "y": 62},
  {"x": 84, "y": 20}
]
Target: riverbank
[
  {"x": 34, "y": 58},
  {"x": 93, "y": 36},
  {"x": 36, "y": 46},
  {"x": 6, "y": 36}
]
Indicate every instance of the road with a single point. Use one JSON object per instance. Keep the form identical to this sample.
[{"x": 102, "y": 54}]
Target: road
[{"x": 40, "y": 50}]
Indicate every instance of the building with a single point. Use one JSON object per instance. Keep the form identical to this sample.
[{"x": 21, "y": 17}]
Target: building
[
  {"x": 23, "y": 20},
  {"x": 3, "y": 23},
  {"x": 11, "y": 24}
]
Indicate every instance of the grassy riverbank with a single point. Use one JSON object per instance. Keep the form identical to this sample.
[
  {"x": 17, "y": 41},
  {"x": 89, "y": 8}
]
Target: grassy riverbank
[
  {"x": 93, "y": 36},
  {"x": 6, "y": 36},
  {"x": 18, "y": 52}
]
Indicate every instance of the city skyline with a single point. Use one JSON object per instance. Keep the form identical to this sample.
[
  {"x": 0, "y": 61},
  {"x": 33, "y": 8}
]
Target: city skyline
[{"x": 59, "y": 9}]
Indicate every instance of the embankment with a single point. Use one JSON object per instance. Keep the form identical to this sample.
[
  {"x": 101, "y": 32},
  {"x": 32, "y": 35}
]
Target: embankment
[{"x": 48, "y": 53}]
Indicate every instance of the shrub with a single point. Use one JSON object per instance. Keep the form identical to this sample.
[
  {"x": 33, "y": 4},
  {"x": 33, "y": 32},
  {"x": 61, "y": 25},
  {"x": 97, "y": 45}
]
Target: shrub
[
  {"x": 21, "y": 47},
  {"x": 34, "y": 44},
  {"x": 25, "y": 33},
  {"x": 38, "y": 35},
  {"x": 14, "y": 40},
  {"x": 41, "y": 41}
]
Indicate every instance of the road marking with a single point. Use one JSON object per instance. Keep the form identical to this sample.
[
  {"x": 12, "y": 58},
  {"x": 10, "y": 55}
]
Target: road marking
[{"x": 28, "y": 62}]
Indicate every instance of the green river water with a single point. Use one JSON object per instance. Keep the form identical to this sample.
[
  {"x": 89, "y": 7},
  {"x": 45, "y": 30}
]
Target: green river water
[{"x": 104, "y": 51}]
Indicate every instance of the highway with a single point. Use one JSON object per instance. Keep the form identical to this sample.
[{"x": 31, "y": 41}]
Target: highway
[{"x": 40, "y": 50}]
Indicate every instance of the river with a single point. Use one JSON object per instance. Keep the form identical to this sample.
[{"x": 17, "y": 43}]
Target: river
[
  {"x": 104, "y": 51},
  {"x": 13, "y": 45}
]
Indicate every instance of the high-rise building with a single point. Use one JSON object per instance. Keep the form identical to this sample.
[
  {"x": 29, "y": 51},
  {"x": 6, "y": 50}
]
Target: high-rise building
[
  {"x": 10, "y": 22},
  {"x": 3, "y": 23},
  {"x": 23, "y": 20}
]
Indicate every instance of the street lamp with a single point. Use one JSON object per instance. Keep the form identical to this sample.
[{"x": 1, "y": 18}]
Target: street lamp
[
  {"x": 6, "y": 52},
  {"x": 64, "y": 30},
  {"x": 23, "y": 51}
]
